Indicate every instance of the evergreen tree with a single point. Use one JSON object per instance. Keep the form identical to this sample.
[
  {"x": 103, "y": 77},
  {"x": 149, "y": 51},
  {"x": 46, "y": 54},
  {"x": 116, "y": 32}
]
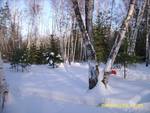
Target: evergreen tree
[
  {"x": 100, "y": 35},
  {"x": 33, "y": 54},
  {"x": 20, "y": 57},
  {"x": 54, "y": 45}
]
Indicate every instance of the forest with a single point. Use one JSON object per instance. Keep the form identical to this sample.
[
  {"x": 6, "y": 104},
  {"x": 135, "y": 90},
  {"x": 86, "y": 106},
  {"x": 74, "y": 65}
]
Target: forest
[{"x": 89, "y": 44}]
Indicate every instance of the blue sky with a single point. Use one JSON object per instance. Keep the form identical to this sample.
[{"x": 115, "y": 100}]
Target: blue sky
[
  {"x": 45, "y": 24},
  {"x": 45, "y": 16},
  {"x": 118, "y": 10}
]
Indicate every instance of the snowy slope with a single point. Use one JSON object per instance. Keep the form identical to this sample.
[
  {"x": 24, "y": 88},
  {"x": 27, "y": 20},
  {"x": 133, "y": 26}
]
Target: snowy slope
[{"x": 65, "y": 90}]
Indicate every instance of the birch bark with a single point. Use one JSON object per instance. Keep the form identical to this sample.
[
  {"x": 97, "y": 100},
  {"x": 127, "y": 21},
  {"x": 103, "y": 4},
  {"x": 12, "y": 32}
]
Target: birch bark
[
  {"x": 87, "y": 42},
  {"x": 148, "y": 33},
  {"x": 118, "y": 42},
  {"x": 134, "y": 34},
  {"x": 3, "y": 85},
  {"x": 89, "y": 8}
]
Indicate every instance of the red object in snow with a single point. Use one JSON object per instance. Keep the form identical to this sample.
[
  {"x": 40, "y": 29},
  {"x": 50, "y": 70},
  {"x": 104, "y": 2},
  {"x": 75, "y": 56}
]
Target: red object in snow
[{"x": 113, "y": 71}]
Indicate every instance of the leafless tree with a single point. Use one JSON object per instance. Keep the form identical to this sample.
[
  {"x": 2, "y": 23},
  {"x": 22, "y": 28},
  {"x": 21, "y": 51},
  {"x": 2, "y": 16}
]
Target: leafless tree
[
  {"x": 118, "y": 42},
  {"x": 148, "y": 33},
  {"x": 133, "y": 37}
]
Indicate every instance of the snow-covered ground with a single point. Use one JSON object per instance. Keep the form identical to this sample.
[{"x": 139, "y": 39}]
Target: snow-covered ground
[{"x": 65, "y": 90}]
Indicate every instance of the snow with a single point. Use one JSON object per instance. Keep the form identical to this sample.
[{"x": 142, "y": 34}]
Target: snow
[
  {"x": 65, "y": 90},
  {"x": 58, "y": 56},
  {"x": 52, "y": 53}
]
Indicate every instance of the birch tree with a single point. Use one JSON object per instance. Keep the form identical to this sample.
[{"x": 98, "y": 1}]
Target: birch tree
[
  {"x": 5, "y": 24},
  {"x": 89, "y": 8},
  {"x": 118, "y": 42},
  {"x": 35, "y": 9},
  {"x": 87, "y": 42},
  {"x": 148, "y": 33},
  {"x": 3, "y": 85},
  {"x": 132, "y": 40}
]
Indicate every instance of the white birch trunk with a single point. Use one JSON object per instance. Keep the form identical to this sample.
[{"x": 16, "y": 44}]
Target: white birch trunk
[
  {"x": 75, "y": 44},
  {"x": 89, "y": 8},
  {"x": 3, "y": 85},
  {"x": 81, "y": 45},
  {"x": 87, "y": 42},
  {"x": 1, "y": 70},
  {"x": 148, "y": 33},
  {"x": 134, "y": 34},
  {"x": 65, "y": 49},
  {"x": 118, "y": 42}
]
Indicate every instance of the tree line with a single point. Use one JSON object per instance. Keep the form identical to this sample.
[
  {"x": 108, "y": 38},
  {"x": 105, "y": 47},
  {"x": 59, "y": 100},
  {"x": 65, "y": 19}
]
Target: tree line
[{"x": 77, "y": 35}]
